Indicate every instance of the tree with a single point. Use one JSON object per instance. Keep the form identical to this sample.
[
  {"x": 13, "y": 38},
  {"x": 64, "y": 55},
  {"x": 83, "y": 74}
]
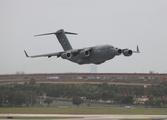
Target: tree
[
  {"x": 32, "y": 82},
  {"x": 48, "y": 101},
  {"x": 18, "y": 98},
  {"x": 31, "y": 98},
  {"x": 127, "y": 100},
  {"x": 77, "y": 101}
]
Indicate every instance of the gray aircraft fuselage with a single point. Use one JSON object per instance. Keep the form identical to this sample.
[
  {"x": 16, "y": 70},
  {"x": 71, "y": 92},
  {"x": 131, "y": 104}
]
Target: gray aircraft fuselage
[
  {"x": 99, "y": 54},
  {"x": 95, "y": 55}
]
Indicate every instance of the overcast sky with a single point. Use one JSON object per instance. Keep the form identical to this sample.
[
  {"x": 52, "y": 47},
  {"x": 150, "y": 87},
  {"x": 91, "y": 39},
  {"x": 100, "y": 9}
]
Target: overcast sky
[{"x": 121, "y": 23}]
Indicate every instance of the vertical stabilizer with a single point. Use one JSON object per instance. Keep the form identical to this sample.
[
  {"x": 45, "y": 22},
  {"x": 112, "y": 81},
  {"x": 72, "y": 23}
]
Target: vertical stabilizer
[{"x": 63, "y": 40}]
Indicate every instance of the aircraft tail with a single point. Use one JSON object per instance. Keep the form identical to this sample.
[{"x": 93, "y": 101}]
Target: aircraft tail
[{"x": 63, "y": 40}]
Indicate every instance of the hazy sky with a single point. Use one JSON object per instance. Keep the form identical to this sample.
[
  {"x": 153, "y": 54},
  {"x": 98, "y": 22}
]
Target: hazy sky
[{"x": 121, "y": 23}]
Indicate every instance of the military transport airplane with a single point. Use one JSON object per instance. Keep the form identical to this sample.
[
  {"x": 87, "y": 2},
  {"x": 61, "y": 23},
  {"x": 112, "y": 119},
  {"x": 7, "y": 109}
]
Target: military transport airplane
[{"x": 94, "y": 55}]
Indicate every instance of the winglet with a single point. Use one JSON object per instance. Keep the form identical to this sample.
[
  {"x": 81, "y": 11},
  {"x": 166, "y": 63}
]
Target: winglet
[
  {"x": 26, "y": 53},
  {"x": 137, "y": 51}
]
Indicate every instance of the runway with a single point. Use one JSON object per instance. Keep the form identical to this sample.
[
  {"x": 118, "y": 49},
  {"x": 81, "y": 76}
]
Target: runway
[{"x": 90, "y": 117}]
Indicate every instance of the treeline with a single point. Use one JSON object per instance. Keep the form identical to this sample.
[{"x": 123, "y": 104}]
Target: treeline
[{"x": 27, "y": 93}]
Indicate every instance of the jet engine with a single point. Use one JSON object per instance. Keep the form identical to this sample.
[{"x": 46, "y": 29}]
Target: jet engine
[
  {"x": 118, "y": 51},
  {"x": 67, "y": 55},
  {"x": 127, "y": 52},
  {"x": 85, "y": 53}
]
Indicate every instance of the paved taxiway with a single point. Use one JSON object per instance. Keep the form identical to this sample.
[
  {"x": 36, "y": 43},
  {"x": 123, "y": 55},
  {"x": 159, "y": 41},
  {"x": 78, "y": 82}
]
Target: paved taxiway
[{"x": 92, "y": 117}]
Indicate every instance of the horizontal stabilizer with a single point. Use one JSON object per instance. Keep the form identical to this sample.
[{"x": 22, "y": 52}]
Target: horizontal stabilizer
[
  {"x": 71, "y": 33},
  {"x": 58, "y": 32},
  {"x": 45, "y": 34}
]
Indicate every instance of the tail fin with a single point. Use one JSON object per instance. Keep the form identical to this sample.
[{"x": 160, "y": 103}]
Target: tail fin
[{"x": 63, "y": 40}]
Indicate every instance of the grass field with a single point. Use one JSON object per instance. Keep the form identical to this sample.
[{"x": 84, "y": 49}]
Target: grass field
[{"x": 67, "y": 110}]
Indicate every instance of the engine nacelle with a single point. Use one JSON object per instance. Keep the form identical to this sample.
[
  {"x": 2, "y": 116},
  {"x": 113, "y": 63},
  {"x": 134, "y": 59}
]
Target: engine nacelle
[
  {"x": 118, "y": 51},
  {"x": 85, "y": 53},
  {"x": 127, "y": 52},
  {"x": 67, "y": 55}
]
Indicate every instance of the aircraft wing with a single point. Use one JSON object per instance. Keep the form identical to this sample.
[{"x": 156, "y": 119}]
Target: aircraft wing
[
  {"x": 58, "y": 54},
  {"x": 83, "y": 49},
  {"x": 137, "y": 50},
  {"x": 74, "y": 52}
]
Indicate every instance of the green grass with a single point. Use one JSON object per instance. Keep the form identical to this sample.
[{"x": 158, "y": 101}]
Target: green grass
[{"x": 74, "y": 110}]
